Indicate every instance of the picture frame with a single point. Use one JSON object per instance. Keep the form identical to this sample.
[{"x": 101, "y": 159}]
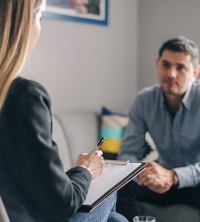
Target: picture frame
[{"x": 89, "y": 11}]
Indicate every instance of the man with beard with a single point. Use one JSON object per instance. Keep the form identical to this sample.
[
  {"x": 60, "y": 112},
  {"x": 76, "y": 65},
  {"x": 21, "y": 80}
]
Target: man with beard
[{"x": 170, "y": 112}]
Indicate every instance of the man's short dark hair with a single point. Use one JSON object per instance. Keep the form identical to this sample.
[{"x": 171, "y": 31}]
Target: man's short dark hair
[{"x": 181, "y": 44}]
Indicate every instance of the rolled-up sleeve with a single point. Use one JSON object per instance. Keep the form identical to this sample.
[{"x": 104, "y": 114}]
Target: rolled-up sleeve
[{"x": 188, "y": 176}]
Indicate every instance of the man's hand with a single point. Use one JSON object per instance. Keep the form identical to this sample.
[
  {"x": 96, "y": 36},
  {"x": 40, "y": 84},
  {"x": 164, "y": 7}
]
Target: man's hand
[
  {"x": 157, "y": 178},
  {"x": 92, "y": 161}
]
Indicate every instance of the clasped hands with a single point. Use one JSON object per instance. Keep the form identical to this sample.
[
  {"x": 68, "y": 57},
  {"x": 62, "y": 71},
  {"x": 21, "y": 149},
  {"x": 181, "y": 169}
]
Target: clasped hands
[{"x": 157, "y": 178}]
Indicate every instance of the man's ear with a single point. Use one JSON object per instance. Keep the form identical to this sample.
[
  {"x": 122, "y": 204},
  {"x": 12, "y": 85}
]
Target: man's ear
[
  {"x": 196, "y": 71},
  {"x": 156, "y": 62}
]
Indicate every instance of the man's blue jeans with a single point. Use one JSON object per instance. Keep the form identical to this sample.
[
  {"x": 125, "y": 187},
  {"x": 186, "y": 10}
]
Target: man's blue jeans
[{"x": 105, "y": 212}]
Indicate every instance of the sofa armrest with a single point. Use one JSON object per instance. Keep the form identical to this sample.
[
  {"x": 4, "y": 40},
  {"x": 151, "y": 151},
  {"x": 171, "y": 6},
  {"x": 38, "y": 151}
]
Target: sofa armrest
[{"x": 75, "y": 132}]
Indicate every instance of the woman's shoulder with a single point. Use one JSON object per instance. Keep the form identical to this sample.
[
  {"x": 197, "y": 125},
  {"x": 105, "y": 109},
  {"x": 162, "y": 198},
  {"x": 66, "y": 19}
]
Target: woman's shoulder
[
  {"x": 22, "y": 86},
  {"x": 24, "y": 91}
]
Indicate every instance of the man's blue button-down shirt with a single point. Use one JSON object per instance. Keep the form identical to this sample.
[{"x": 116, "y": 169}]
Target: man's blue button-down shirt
[{"x": 177, "y": 138}]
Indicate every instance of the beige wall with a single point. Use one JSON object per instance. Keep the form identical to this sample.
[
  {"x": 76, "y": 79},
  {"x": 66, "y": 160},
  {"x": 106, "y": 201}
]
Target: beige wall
[
  {"x": 85, "y": 66},
  {"x": 158, "y": 21}
]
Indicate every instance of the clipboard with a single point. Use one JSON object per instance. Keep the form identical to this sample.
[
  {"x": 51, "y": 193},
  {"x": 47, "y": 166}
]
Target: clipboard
[{"x": 114, "y": 177}]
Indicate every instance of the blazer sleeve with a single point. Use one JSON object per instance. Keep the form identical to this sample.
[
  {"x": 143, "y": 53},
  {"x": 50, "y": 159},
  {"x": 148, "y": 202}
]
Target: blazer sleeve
[{"x": 33, "y": 155}]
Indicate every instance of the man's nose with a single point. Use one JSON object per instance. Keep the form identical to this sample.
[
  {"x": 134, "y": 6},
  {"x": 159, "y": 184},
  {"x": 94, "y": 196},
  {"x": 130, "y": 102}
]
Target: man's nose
[{"x": 172, "y": 73}]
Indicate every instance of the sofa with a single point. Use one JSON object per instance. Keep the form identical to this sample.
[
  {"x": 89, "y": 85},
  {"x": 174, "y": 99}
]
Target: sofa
[{"x": 78, "y": 131}]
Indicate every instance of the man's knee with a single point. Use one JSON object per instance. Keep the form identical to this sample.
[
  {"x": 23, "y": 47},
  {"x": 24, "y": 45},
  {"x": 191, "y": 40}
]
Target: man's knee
[
  {"x": 128, "y": 193},
  {"x": 126, "y": 199}
]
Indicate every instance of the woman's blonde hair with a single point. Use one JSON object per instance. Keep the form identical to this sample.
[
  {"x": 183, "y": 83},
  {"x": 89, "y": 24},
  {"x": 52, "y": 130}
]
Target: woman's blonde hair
[{"x": 16, "y": 18}]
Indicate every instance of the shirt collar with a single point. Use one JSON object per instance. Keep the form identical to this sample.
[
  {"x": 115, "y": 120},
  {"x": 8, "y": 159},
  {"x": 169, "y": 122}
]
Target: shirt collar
[
  {"x": 187, "y": 99},
  {"x": 162, "y": 99}
]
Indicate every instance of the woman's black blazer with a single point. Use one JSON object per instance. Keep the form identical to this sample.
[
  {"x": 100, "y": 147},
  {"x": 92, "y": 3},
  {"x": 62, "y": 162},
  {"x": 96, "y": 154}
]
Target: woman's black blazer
[{"x": 33, "y": 184}]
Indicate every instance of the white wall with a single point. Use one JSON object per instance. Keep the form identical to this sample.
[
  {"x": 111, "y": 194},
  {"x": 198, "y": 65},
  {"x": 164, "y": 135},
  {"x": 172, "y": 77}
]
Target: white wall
[
  {"x": 85, "y": 66},
  {"x": 158, "y": 21}
]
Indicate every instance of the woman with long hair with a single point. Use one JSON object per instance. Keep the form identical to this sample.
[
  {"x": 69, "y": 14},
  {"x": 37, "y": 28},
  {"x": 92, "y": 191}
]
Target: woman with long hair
[{"x": 33, "y": 184}]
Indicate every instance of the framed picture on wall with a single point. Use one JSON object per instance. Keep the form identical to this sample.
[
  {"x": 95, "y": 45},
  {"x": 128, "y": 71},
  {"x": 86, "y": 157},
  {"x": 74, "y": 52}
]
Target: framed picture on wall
[{"x": 90, "y": 11}]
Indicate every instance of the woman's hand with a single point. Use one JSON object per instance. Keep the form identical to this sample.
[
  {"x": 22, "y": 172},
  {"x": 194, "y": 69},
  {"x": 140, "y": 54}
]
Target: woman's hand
[{"x": 92, "y": 161}]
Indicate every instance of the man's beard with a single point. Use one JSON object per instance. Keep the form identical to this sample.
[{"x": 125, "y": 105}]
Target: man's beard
[{"x": 169, "y": 87}]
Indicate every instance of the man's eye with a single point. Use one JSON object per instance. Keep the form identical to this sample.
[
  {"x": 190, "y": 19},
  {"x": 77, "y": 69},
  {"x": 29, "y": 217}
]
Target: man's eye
[
  {"x": 180, "y": 68},
  {"x": 165, "y": 65}
]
